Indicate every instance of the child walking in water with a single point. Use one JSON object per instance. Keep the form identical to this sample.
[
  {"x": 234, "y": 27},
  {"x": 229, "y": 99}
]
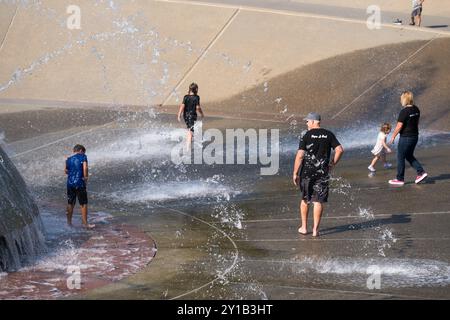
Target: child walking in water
[
  {"x": 189, "y": 109},
  {"x": 77, "y": 178},
  {"x": 381, "y": 148}
]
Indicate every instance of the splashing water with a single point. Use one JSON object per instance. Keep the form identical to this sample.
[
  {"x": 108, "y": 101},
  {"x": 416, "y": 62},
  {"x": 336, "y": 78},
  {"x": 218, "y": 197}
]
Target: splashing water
[
  {"x": 394, "y": 272},
  {"x": 386, "y": 238},
  {"x": 169, "y": 190}
]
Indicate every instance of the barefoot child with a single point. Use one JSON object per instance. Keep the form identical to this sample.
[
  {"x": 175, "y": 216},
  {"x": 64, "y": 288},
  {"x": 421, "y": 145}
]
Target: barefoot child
[
  {"x": 381, "y": 148},
  {"x": 77, "y": 177},
  {"x": 189, "y": 108}
]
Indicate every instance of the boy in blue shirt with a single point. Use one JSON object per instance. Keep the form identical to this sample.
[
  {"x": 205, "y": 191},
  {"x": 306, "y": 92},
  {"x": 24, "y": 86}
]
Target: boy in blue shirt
[{"x": 77, "y": 177}]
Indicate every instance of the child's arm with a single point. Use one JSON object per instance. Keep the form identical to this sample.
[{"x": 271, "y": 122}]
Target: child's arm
[
  {"x": 85, "y": 171},
  {"x": 65, "y": 168},
  {"x": 180, "y": 112}
]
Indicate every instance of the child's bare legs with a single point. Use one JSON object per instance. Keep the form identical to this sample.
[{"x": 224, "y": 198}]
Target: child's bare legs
[
  {"x": 69, "y": 214},
  {"x": 303, "y": 216},
  {"x": 374, "y": 161},
  {"x": 84, "y": 219},
  {"x": 189, "y": 137}
]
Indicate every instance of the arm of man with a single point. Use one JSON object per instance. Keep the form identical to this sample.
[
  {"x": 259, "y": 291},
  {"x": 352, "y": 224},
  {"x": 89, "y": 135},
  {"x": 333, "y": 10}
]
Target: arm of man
[
  {"x": 398, "y": 127},
  {"x": 338, "y": 152},
  {"x": 65, "y": 168},
  {"x": 297, "y": 165}
]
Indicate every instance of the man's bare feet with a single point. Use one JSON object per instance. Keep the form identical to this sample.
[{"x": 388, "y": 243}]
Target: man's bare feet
[
  {"x": 89, "y": 226},
  {"x": 316, "y": 234},
  {"x": 302, "y": 231}
]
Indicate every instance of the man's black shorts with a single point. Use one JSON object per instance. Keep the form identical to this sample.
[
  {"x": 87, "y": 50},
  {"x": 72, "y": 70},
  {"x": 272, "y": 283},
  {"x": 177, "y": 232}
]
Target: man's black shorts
[
  {"x": 315, "y": 189},
  {"x": 74, "y": 193}
]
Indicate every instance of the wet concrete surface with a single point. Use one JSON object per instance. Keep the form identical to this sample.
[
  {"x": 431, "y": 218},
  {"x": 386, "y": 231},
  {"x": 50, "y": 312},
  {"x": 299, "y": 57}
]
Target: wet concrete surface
[{"x": 231, "y": 233}]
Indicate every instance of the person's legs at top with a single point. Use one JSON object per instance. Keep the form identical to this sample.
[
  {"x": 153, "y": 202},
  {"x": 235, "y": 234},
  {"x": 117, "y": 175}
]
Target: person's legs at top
[
  {"x": 303, "y": 217},
  {"x": 419, "y": 17},
  {"x": 413, "y": 22},
  {"x": 318, "y": 209}
]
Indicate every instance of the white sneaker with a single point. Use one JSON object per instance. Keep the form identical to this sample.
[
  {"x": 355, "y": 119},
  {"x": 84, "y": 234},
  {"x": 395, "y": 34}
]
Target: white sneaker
[
  {"x": 387, "y": 165},
  {"x": 421, "y": 177},
  {"x": 371, "y": 169},
  {"x": 396, "y": 182}
]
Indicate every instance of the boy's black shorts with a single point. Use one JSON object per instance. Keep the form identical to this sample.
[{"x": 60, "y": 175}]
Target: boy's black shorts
[
  {"x": 74, "y": 193},
  {"x": 315, "y": 189}
]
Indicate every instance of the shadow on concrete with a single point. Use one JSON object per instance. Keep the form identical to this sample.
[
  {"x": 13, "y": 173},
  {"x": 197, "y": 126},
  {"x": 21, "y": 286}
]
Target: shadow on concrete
[
  {"x": 438, "y": 26},
  {"x": 432, "y": 180},
  {"x": 394, "y": 219}
]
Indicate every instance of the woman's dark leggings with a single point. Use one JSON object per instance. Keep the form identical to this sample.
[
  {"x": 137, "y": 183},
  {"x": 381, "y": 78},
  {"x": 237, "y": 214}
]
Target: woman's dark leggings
[{"x": 405, "y": 151}]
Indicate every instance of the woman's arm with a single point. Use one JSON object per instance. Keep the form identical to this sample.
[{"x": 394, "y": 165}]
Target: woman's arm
[
  {"x": 396, "y": 131},
  {"x": 385, "y": 146}
]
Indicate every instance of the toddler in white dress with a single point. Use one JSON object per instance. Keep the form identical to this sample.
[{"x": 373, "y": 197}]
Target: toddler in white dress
[{"x": 381, "y": 148}]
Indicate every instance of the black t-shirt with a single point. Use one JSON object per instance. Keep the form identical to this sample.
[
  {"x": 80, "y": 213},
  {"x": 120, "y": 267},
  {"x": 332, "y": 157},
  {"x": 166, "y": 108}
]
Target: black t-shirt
[
  {"x": 190, "y": 106},
  {"x": 317, "y": 144},
  {"x": 409, "y": 116}
]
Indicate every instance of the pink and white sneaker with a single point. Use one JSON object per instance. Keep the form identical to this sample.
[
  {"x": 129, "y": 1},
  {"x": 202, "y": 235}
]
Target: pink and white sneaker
[
  {"x": 421, "y": 177},
  {"x": 396, "y": 182}
]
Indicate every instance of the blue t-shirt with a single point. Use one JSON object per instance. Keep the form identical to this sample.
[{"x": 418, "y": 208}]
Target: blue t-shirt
[{"x": 74, "y": 166}]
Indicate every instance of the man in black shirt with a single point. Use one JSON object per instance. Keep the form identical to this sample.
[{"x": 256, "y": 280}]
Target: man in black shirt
[{"x": 313, "y": 163}]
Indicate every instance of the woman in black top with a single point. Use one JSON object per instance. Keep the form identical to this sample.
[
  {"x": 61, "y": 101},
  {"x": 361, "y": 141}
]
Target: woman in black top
[
  {"x": 408, "y": 127},
  {"x": 189, "y": 108}
]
